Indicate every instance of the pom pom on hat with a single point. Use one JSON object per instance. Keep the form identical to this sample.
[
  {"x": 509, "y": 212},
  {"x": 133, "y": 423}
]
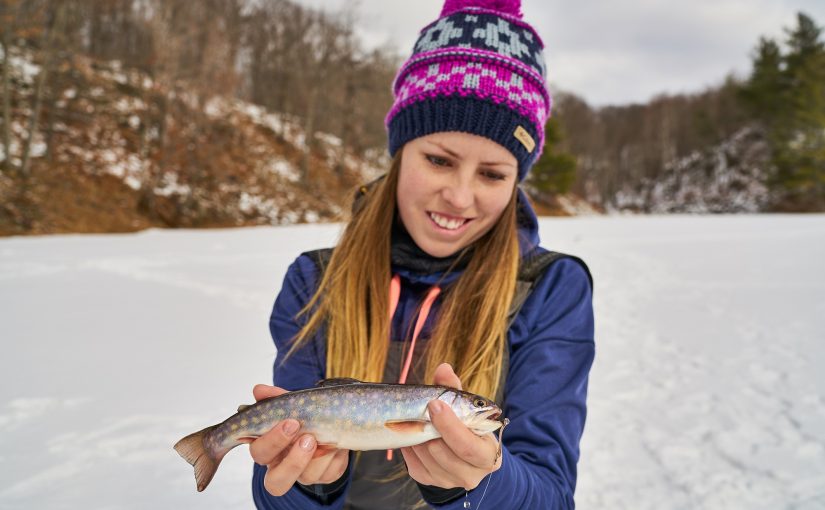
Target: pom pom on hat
[{"x": 512, "y": 7}]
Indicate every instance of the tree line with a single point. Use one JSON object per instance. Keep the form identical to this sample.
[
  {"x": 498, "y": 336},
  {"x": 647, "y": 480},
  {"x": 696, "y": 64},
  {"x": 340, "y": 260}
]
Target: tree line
[
  {"x": 274, "y": 53},
  {"x": 311, "y": 65},
  {"x": 609, "y": 149}
]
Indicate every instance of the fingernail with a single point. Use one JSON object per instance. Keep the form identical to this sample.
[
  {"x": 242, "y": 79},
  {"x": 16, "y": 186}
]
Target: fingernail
[
  {"x": 290, "y": 427},
  {"x": 435, "y": 406},
  {"x": 307, "y": 442}
]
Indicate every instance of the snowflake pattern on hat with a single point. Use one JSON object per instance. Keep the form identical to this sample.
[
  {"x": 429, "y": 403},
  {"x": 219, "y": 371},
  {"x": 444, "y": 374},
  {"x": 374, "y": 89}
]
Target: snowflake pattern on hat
[{"x": 479, "y": 70}]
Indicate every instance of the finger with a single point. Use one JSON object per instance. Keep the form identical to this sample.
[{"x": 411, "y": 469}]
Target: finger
[
  {"x": 464, "y": 443},
  {"x": 266, "y": 448},
  {"x": 415, "y": 467},
  {"x": 451, "y": 473},
  {"x": 445, "y": 376},
  {"x": 262, "y": 391},
  {"x": 315, "y": 469},
  {"x": 453, "y": 469},
  {"x": 281, "y": 477},
  {"x": 337, "y": 467}
]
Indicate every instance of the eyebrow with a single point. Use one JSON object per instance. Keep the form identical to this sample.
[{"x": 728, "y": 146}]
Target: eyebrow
[{"x": 453, "y": 154}]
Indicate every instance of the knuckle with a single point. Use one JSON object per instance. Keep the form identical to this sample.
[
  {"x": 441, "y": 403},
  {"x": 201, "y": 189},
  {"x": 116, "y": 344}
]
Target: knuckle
[
  {"x": 298, "y": 458},
  {"x": 419, "y": 475},
  {"x": 466, "y": 451},
  {"x": 258, "y": 453},
  {"x": 469, "y": 482}
]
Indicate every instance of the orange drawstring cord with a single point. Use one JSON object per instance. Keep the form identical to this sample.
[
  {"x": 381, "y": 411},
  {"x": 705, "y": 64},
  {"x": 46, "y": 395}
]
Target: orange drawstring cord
[{"x": 395, "y": 293}]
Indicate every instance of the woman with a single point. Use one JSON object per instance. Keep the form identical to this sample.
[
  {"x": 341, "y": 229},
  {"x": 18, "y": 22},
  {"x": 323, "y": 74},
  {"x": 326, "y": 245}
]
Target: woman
[{"x": 424, "y": 287}]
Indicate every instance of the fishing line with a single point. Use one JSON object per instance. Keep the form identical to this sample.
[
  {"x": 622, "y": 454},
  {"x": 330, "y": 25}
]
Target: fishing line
[{"x": 489, "y": 477}]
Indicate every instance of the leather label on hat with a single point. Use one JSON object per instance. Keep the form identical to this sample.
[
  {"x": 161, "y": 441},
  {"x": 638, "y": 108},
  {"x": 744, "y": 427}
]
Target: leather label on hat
[{"x": 524, "y": 137}]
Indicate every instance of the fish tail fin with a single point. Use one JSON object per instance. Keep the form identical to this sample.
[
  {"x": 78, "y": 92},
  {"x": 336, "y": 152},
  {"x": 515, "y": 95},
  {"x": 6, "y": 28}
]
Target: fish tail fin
[{"x": 193, "y": 450}]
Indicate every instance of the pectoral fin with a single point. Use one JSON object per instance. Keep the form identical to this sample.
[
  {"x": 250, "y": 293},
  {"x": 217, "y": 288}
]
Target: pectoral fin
[
  {"x": 324, "y": 449},
  {"x": 406, "y": 426}
]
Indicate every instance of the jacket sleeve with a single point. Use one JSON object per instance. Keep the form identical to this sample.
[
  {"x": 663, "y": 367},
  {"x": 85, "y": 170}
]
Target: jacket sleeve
[
  {"x": 304, "y": 368},
  {"x": 551, "y": 352}
]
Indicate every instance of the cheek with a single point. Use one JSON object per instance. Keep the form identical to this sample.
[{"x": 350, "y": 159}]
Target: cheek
[
  {"x": 495, "y": 203},
  {"x": 407, "y": 194}
]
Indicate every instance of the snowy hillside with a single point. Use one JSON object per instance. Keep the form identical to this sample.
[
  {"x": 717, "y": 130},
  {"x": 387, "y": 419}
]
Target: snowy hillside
[
  {"x": 707, "y": 391},
  {"x": 117, "y": 151},
  {"x": 727, "y": 178}
]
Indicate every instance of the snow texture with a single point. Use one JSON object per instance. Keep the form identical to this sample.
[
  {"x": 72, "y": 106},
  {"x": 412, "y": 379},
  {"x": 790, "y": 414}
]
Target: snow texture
[
  {"x": 727, "y": 178},
  {"x": 707, "y": 391}
]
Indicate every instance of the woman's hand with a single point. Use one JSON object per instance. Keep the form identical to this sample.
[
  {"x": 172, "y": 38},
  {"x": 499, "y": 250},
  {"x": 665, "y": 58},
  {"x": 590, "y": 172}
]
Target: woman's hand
[
  {"x": 459, "y": 458},
  {"x": 290, "y": 457}
]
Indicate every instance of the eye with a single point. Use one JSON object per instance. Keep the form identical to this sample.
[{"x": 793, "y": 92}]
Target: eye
[
  {"x": 493, "y": 175},
  {"x": 479, "y": 402},
  {"x": 437, "y": 160}
]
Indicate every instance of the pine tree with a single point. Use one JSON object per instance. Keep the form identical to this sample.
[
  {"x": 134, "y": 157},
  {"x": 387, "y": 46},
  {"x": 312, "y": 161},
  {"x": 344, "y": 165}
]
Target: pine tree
[
  {"x": 763, "y": 93},
  {"x": 800, "y": 147},
  {"x": 787, "y": 93},
  {"x": 555, "y": 171}
]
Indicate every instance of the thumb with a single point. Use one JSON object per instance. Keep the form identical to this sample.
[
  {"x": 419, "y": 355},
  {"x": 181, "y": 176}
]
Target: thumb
[
  {"x": 445, "y": 376},
  {"x": 262, "y": 391}
]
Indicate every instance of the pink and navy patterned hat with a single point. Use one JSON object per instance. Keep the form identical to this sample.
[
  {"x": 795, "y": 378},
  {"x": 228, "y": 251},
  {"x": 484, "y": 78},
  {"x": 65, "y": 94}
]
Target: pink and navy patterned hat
[{"x": 479, "y": 68}]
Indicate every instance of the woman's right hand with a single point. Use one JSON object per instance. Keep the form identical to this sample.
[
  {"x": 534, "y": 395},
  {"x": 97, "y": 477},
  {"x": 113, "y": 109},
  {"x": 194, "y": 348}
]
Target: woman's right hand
[{"x": 289, "y": 457}]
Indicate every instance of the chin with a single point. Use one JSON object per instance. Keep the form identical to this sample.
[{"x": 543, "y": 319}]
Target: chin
[{"x": 442, "y": 251}]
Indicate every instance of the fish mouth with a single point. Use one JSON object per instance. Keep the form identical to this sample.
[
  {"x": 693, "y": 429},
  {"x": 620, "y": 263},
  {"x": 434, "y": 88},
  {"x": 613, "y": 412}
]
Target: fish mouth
[{"x": 486, "y": 420}]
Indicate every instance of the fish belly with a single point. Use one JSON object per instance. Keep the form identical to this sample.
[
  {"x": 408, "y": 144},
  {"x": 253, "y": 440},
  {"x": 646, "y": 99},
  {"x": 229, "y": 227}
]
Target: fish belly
[{"x": 372, "y": 438}]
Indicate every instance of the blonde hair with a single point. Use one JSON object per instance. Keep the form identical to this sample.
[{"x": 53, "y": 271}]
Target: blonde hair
[{"x": 352, "y": 299}]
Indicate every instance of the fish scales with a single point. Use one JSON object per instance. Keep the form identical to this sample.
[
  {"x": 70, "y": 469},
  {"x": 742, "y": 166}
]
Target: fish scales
[{"x": 341, "y": 414}]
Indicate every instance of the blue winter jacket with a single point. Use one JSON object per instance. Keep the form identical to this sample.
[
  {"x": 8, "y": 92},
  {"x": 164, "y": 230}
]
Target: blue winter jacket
[{"x": 551, "y": 351}]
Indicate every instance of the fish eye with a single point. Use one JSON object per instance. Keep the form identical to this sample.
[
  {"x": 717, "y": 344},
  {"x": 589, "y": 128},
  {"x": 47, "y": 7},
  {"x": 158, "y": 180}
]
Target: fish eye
[{"x": 479, "y": 402}]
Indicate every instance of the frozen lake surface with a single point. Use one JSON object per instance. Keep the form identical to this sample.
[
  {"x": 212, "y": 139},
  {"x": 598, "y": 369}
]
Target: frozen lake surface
[{"x": 708, "y": 390}]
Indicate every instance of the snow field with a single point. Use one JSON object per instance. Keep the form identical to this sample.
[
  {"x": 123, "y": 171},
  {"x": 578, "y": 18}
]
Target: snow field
[{"x": 707, "y": 391}]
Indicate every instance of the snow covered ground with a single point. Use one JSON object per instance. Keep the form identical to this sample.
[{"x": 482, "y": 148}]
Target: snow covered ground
[{"x": 708, "y": 390}]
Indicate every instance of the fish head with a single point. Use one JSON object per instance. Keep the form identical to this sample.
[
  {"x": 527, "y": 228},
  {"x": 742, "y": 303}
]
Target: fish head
[{"x": 479, "y": 414}]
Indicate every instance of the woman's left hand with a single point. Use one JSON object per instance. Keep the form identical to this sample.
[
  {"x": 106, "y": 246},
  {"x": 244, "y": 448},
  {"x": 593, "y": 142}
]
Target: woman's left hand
[{"x": 460, "y": 458}]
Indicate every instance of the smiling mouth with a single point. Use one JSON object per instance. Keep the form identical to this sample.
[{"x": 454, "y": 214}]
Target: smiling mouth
[{"x": 447, "y": 223}]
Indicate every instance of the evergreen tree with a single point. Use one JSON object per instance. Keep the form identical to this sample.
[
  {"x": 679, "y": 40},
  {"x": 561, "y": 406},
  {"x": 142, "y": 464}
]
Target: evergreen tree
[
  {"x": 554, "y": 172},
  {"x": 763, "y": 93},
  {"x": 787, "y": 92},
  {"x": 800, "y": 151}
]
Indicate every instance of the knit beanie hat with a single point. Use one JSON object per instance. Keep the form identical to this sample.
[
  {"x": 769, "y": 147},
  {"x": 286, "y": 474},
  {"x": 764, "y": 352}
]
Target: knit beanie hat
[{"x": 479, "y": 68}]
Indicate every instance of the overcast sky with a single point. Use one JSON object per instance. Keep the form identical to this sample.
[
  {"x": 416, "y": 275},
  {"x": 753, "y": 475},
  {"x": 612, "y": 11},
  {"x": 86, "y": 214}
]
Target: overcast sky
[{"x": 616, "y": 51}]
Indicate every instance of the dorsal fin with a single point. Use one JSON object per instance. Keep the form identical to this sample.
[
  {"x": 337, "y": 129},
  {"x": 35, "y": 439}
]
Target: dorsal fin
[
  {"x": 338, "y": 381},
  {"x": 244, "y": 407}
]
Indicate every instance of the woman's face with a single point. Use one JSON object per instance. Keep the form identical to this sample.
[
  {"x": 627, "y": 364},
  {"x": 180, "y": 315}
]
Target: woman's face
[{"x": 452, "y": 188}]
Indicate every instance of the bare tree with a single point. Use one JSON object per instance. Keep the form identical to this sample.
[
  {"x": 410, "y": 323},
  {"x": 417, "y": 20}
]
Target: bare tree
[{"x": 52, "y": 38}]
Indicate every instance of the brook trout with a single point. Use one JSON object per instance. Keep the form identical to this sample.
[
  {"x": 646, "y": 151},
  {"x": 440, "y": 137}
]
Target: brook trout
[{"x": 340, "y": 413}]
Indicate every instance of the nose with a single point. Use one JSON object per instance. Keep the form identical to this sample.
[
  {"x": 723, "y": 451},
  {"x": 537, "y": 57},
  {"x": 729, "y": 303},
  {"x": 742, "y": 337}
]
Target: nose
[{"x": 458, "y": 192}]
